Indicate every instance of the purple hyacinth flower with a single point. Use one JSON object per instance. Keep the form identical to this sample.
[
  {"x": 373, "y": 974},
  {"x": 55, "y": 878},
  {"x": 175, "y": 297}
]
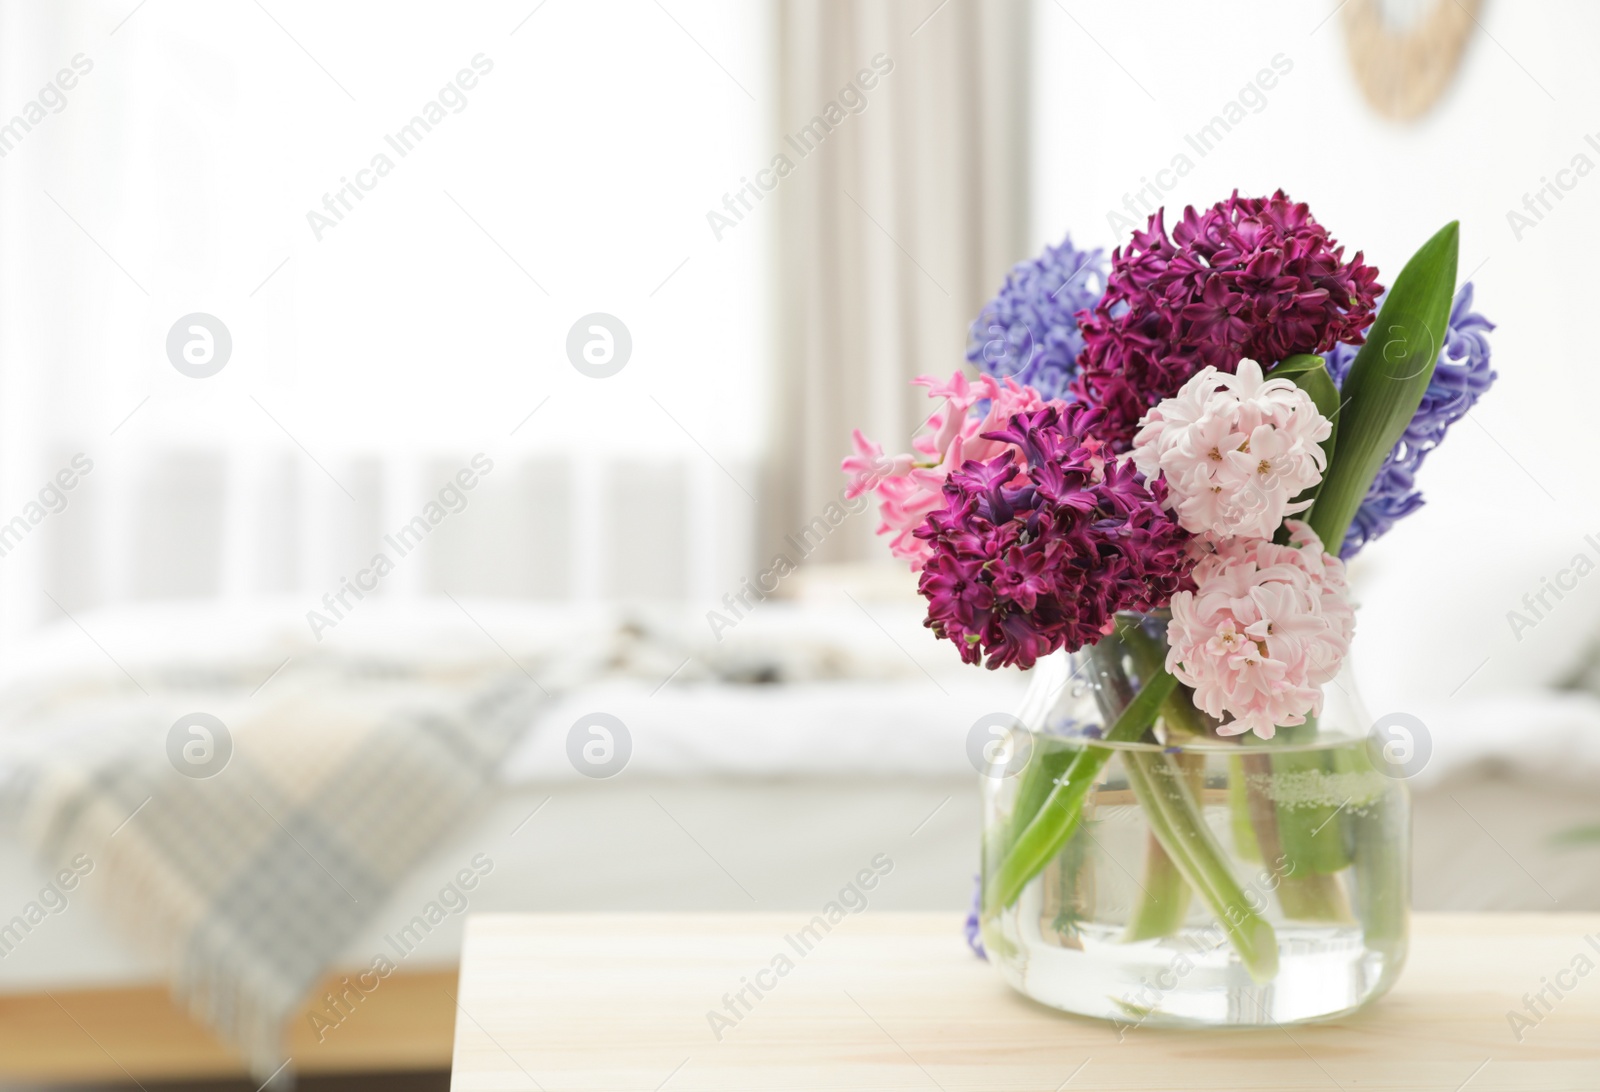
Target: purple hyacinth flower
[
  {"x": 1249, "y": 277},
  {"x": 1462, "y": 375},
  {"x": 1029, "y": 331},
  {"x": 973, "y": 930},
  {"x": 1021, "y": 566}
]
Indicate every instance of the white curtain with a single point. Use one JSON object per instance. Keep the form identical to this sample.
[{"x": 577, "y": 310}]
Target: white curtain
[{"x": 895, "y": 226}]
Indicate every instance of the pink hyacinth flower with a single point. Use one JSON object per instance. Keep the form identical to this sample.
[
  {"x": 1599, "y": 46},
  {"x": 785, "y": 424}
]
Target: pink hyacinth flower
[
  {"x": 1264, "y": 629},
  {"x": 910, "y": 485},
  {"x": 1235, "y": 451}
]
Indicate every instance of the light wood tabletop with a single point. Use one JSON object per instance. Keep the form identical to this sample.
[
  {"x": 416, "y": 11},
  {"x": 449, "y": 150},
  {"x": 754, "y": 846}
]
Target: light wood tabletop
[{"x": 896, "y": 1001}]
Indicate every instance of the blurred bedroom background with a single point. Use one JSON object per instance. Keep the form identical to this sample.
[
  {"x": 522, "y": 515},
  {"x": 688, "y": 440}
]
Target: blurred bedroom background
[{"x": 577, "y": 358}]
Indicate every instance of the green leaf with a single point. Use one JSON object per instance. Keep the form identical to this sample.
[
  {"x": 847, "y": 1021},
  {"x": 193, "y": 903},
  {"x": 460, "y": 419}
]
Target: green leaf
[
  {"x": 1057, "y": 818},
  {"x": 1387, "y": 381},
  {"x": 1298, "y": 364},
  {"x": 1310, "y": 374}
]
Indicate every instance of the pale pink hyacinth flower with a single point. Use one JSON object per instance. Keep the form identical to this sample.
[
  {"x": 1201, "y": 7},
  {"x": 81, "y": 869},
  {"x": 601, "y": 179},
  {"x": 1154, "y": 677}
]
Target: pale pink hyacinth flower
[
  {"x": 1264, "y": 629},
  {"x": 1235, "y": 451},
  {"x": 909, "y": 486}
]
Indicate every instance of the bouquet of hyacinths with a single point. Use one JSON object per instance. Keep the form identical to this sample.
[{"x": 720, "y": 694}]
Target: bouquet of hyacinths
[{"x": 1161, "y": 468}]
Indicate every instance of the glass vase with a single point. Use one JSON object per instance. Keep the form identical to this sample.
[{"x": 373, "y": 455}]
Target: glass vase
[{"x": 1140, "y": 867}]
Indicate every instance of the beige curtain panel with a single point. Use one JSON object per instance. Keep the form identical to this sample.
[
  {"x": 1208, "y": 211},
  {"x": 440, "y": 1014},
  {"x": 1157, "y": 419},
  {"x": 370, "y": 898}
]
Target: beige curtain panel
[{"x": 905, "y": 129}]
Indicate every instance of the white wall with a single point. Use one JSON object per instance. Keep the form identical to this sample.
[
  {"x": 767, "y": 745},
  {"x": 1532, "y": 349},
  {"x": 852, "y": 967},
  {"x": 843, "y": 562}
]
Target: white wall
[{"x": 1513, "y": 491}]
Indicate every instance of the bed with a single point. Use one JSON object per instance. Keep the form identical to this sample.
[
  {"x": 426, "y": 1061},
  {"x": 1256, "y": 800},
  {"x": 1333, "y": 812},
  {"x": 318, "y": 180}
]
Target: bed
[{"x": 765, "y": 768}]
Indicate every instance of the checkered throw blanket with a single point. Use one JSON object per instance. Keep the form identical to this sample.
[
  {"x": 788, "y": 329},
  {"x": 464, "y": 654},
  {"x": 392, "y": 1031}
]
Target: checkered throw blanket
[{"x": 250, "y": 881}]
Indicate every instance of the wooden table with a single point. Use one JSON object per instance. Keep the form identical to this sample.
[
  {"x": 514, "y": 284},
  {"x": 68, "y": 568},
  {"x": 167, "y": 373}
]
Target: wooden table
[{"x": 895, "y": 1001}]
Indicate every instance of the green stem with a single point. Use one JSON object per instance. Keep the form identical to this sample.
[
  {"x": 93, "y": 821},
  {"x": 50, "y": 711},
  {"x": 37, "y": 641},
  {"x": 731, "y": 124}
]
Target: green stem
[
  {"x": 1382, "y": 882},
  {"x": 1175, "y": 818},
  {"x": 1057, "y": 818},
  {"x": 1165, "y": 895},
  {"x": 1302, "y": 895},
  {"x": 1178, "y": 822},
  {"x": 1046, "y": 767},
  {"x": 1164, "y": 901},
  {"x": 1310, "y": 836},
  {"x": 1314, "y": 897},
  {"x": 1312, "y": 841}
]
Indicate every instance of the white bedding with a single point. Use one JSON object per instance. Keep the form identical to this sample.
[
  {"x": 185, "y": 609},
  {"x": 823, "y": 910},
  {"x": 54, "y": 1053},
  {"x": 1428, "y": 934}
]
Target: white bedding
[{"x": 766, "y": 794}]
